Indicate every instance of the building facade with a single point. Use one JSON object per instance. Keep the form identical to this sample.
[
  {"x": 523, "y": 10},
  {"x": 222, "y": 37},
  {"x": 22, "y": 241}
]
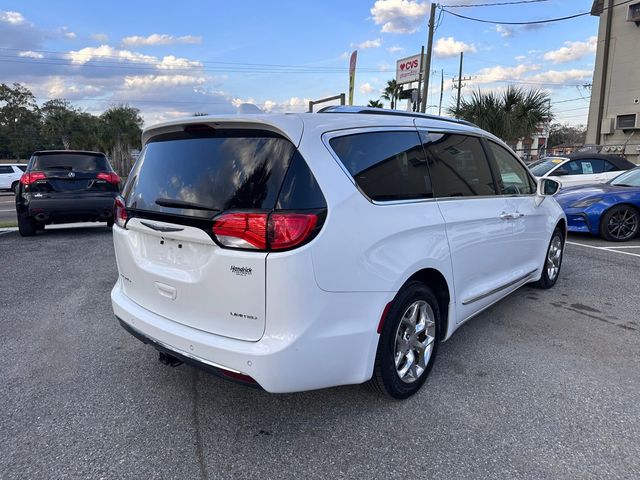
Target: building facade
[{"x": 614, "y": 112}]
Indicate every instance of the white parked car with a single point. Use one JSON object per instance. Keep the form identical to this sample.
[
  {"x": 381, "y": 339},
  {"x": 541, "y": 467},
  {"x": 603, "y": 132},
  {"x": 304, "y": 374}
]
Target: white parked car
[
  {"x": 10, "y": 174},
  {"x": 303, "y": 251},
  {"x": 581, "y": 168}
]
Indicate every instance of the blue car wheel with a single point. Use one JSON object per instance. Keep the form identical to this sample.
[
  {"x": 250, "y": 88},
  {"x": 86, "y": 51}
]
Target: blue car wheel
[{"x": 620, "y": 223}]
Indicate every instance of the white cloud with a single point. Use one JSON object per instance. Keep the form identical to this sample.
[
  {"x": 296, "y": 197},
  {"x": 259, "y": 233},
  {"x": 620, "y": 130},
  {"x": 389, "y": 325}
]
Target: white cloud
[
  {"x": 504, "y": 31},
  {"x": 70, "y": 35},
  {"x": 395, "y": 49},
  {"x": 84, "y": 55},
  {"x": 499, "y": 73},
  {"x": 366, "y": 88},
  {"x": 399, "y": 16},
  {"x": 160, "y": 39},
  {"x": 59, "y": 87},
  {"x": 344, "y": 55},
  {"x": 152, "y": 81},
  {"x": 555, "y": 76},
  {"x": 520, "y": 58},
  {"x": 30, "y": 54},
  {"x": 13, "y": 18},
  {"x": 384, "y": 67},
  {"x": 170, "y": 62},
  {"x": 375, "y": 43},
  {"x": 572, "y": 51},
  {"x": 99, "y": 37},
  {"x": 450, "y": 47}
]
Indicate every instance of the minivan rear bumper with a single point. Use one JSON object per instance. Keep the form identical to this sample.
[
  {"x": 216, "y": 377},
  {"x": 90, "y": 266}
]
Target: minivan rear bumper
[{"x": 306, "y": 360}]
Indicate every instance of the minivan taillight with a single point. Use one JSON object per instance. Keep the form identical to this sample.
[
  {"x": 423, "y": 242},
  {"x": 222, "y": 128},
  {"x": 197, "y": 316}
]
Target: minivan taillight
[
  {"x": 120, "y": 212},
  {"x": 110, "y": 177},
  {"x": 264, "y": 231},
  {"x": 31, "y": 177}
]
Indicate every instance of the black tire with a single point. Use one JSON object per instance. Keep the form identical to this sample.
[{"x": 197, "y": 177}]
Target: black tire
[
  {"x": 109, "y": 223},
  {"x": 26, "y": 226},
  {"x": 620, "y": 223},
  {"x": 14, "y": 187},
  {"x": 548, "y": 280},
  {"x": 386, "y": 379}
]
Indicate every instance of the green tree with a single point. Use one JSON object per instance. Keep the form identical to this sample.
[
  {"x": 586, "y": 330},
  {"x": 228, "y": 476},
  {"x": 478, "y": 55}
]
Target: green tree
[
  {"x": 20, "y": 121},
  {"x": 120, "y": 130},
  {"x": 61, "y": 121},
  {"x": 513, "y": 114},
  {"x": 392, "y": 92},
  {"x": 566, "y": 134},
  {"x": 375, "y": 104}
]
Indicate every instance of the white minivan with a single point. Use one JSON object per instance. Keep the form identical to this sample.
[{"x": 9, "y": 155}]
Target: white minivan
[{"x": 302, "y": 251}]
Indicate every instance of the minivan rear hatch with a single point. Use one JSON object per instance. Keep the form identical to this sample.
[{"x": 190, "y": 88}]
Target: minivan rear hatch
[{"x": 167, "y": 256}]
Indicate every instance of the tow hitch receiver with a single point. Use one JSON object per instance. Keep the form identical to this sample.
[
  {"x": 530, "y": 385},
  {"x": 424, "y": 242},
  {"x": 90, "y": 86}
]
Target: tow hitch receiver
[{"x": 169, "y": 360}]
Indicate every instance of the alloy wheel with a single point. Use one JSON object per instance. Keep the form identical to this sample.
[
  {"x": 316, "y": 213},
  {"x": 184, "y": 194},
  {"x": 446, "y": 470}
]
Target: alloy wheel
[
  {"x": 623, "y": 224},
  {"x": 554, "y": 258},
  {"x": 414, "y": 341}
]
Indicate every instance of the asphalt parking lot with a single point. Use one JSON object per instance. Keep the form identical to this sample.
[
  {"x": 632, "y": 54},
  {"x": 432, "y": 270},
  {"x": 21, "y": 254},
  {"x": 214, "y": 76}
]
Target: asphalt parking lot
[
  {"x": 7, "y": 208},
  {"x": 544, "y": 385}
]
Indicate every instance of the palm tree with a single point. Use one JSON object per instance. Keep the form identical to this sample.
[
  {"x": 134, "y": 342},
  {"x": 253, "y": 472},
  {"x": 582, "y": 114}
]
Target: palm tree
[
  {"x": 375, "y": 104},
  {"x": 392, "y": 92},
  {"x": 513, "y": 114}
]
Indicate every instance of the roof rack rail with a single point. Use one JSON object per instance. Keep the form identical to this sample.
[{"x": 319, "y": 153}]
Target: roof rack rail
[{"x": 382, "y": 111}]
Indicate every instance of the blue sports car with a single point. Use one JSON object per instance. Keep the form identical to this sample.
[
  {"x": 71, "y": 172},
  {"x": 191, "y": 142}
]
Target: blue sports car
[{"x": 611, "y": 210}]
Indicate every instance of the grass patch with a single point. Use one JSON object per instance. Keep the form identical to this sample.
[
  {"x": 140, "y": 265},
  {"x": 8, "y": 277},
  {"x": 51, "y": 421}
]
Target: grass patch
[{"x": 12, "y": 223}]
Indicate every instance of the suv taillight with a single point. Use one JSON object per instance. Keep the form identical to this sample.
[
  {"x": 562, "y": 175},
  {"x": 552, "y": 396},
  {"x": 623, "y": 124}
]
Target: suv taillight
[
  {"x": 264, "y": 231},
  {"x": 110, "y": 177},
  {"x": 120, "y": 212},
  {"x": 30, "y": 177}
]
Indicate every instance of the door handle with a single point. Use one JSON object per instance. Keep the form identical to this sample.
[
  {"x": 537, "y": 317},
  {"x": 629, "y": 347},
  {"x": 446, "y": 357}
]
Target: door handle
[{"x": 511, "y": 216}]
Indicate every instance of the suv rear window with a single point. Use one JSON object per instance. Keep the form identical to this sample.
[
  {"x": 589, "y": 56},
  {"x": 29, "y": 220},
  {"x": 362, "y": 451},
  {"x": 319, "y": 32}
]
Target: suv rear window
[
  {"x": 70, "y": 161},
  {"x": 212, "y": 170}
]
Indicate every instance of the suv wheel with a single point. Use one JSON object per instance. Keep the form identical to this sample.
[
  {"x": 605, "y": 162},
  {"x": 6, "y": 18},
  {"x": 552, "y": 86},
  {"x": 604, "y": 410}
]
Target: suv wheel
[
  {"x": 552, "y": 262},
  {"x": 14, "y": 187},
  {"x": 408, "y": 342},
  {"x": 620, "y": 223},
  {"x": 26, "y": 226}
]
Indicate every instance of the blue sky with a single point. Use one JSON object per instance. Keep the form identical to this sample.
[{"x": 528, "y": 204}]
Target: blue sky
[{"x": 174, "y": 58}]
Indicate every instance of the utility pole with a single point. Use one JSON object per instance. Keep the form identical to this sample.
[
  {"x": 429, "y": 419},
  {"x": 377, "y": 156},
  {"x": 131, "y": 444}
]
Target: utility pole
[
  {"x": 427, "y": 66},
  {"x": 417, "y": 107},
  {"x": 459, "y": 83},
  {"x": 441, "y": 91}
]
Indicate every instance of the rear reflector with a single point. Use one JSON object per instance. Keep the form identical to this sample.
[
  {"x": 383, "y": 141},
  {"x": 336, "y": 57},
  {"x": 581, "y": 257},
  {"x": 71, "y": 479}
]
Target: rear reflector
[
  {"x": 110, "y": 177},
  {"x": 384, "y": 316},
  {"x": 264, "y": 231},
  {"x": 120, "y": 212},
  {"x": 29, "y": 178}
]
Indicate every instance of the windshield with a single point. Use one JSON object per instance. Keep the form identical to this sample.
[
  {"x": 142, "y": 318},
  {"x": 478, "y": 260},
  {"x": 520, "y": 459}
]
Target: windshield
[
  {"x": 630, "y": 178},
  {"x": 71, "y": 162},
  {"x": 543, "y": 167}
]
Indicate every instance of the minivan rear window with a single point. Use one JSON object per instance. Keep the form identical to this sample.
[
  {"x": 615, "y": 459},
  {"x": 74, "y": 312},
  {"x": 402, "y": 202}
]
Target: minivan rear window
[
  {"x": 71, "y": 161},
  {"x": 204, "y": 172}
]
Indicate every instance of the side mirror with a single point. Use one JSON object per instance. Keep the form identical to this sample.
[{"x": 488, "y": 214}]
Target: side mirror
[{"x": 548, "y": 187}]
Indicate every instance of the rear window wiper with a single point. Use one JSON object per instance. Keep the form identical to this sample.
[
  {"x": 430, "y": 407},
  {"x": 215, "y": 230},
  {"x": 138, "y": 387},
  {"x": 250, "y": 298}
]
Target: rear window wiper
[{"x": 168, "y": 202}]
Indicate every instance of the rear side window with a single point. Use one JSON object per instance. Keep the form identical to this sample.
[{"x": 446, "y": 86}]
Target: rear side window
[
  {"x": 70, "y": 161},
  {"x": 610, "y": 167},
  {"x": 458, "y": 165},
  {"x": 386, "y": 165},
  {"x": 22, "y": 167},
  {"x": 210, "y": 171},
  {"x": 583, "y": 167},
  {"x": 4, "y": 169}
]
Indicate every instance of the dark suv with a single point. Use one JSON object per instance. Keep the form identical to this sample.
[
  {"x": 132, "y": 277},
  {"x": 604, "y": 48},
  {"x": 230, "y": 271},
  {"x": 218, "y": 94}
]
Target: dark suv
[{"x": 65, "y": 186}]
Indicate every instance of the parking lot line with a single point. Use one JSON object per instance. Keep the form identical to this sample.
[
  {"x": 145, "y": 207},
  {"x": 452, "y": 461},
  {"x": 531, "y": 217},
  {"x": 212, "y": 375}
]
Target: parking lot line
[
  {"x": 10, "y": 210},
  {"x": 605, "y": 249}
]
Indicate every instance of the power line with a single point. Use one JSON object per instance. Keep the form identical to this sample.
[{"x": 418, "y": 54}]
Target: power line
[
  {"x": 520, "y": 2},
  {"x": 533, "y": 22}
]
